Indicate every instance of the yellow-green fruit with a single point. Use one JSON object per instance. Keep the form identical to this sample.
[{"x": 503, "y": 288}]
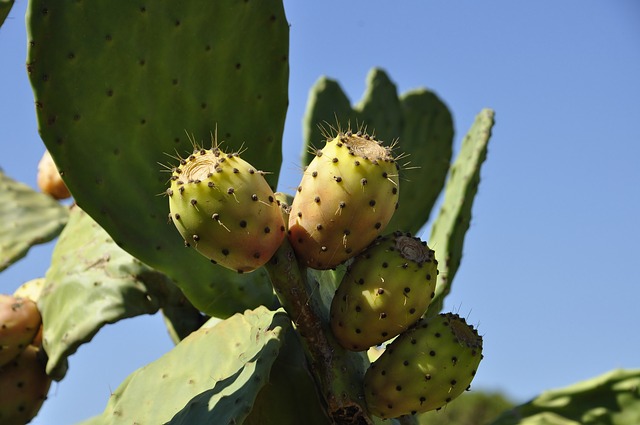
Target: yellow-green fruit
[
  {"x": 224, "y": 208},
  {"x": 23, "y": 387},
  {"x": 19, "y": 323},
  {"x": 347, "y": 196},
  {"x": 386, "y": 289},
  {"x": 425, "y": 368}
]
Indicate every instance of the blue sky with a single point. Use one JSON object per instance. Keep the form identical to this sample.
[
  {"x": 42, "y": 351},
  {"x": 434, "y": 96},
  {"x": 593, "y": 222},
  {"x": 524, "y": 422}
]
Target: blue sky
[{"x": 549, "y": 270}]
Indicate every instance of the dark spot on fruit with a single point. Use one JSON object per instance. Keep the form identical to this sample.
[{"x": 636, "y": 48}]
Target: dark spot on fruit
[
  {"x": 407, "y": 290},
  {"x": 342, "y": 204},
  {"x": 256, "y": 255},
  {"x": 270, "y": 199},
  {"x": 358, "y": 330},
  {"x": 427, "y": 377},
  {"x": 194, "y": 201},
  {"x": 348, "y": 250},
  {"x": 318, "y": 226},
  {"x": 412, "y": 310},
  {"x": 338, "y": 179},
  {"x": 398, "y": 388},
  {"x": 317, "y": 199},
  {"x": 384, "y": 334},
  {"x": 254, "y": 197},
  {"x": 215, "y": 216},
  {"x": 243, "y": 223},
  {"x": 196, "y": 238},
  {"x": 385, "y": 265},
  {"x": 383, "y": 315},
  {"x": 346, "y": 231},
  {"x": 438, "y": 335},
  {"x": 299, "y": 188},
  {"x": 358, "y": 309},
  {"x": 378, "y": 225},
  {"x": 428, "y": 276},
  {"x": 432, "y": 353},
  {"x": 453, "y": 382},
  {"x": 314, "y": 174},
  {"x": 334, "y": 160},
  {"x": 267, "y": 230},
  {"x": 319, "y": 152},
  {"x": 406, "y": 362},
  {"x": 372, "y": 203},
  {"x": 380, "y": 291},
  {"x": 394, "y": 190},
  {"x": 177, "y": 216},
  {"x": 230, "y": 191},
  {"x": 225, "y": 251},
  {"x": 361, "y": 281}
]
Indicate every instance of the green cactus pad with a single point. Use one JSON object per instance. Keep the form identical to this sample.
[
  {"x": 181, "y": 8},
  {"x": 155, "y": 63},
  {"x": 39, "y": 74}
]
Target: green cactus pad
[
  {"x": 611, "y": 398},
  {"x": 93, "y": 282},
  {"x": 131, "y": 80},
  {"x": 424, "y": 368},
  {"x": 27, "y": 218},
  {"x": 386, "y": 289},
  {"x": 448, "y": 231},
  {"x": 5, "y": 8},
  {"x": 224, "y": 208},
  {"x": 212, "y": 376},
  {"x": 346, "y": 197},
  {"x": 419, "y": 121}
]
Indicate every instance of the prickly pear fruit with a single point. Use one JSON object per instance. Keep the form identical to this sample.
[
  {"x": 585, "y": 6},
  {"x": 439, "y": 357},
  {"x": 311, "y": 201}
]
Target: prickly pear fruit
[
  {"x": 225, "y": 209},
  {"x": 347, "y": 195},
  {"x": 19, "y": 323},
  {"x": 49, "y": 180},
  {"x": 385, "y": 290},
  {"x": 424, "y": 368},
  {"x": 23, "y": 387}
]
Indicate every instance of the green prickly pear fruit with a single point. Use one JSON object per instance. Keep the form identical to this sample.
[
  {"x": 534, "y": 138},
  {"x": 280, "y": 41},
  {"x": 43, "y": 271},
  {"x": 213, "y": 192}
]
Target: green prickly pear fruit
[
  {"x": 23, "y": 387},
  {"x": 386, "y": 289},
  {"x": 347, "y": 195},
  {"x": 425, "y": 368},
  {"x": 225, "y": 209},
  {"x": 19, "y": 323}
]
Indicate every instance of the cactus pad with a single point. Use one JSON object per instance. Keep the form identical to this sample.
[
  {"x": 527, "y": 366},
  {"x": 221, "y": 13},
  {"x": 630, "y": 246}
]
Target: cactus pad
[
  {"x": 93, "y": 282},
  {"x": 27, "y": 218},
  {"x": 212, "y": 376},
  {"x": 130, "y": 81},
  {"x": 453, "y": 220}
]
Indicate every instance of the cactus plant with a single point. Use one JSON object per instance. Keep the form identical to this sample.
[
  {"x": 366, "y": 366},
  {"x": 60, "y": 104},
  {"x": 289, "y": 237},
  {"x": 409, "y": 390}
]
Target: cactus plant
[{"x": 130, "y": 88}]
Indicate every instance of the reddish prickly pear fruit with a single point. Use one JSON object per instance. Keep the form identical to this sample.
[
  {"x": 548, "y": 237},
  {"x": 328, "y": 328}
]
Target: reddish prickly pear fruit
[
  {"x": 19, "y": 323},
  {"x": 386, "y": 289},
  {"x": 425, "y": 368},
  {"x": 49, "y": 180},
  {"x": 23, "y": 387},
  {"x": 347, "y": 196},
  {"x": 224, "y": 208}
]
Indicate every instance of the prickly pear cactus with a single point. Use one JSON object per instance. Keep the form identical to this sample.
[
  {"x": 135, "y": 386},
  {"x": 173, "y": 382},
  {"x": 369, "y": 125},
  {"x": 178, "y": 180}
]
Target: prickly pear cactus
[
  {"x": 424, "y": 368},
  {"x": 224, "y": 208},
  {"x": 346, "y": 197},
  {"x": 19, "y": 323},
  {"x": 386, "y": 289}
]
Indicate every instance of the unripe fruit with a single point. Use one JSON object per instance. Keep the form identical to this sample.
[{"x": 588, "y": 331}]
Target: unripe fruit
[
  {"x": 425, "y": 368},
  {"x": 224, "y": 208},
  {"x": 347, "y": 196},
  {"x": 49, "y": 180},
  {"x": 386, "y": 289}
]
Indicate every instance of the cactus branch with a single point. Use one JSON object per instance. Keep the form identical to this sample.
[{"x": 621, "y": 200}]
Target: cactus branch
[{"x": 331, "y": 366}]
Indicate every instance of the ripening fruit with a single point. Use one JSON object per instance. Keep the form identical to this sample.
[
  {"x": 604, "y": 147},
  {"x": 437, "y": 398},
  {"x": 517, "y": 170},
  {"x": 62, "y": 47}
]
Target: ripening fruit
[
  {"x": 49, "y": 180},
  {"x": 19, "y": 323},
  {"x": 347, "y": 196},
  {"x": 224, "y": 208}
]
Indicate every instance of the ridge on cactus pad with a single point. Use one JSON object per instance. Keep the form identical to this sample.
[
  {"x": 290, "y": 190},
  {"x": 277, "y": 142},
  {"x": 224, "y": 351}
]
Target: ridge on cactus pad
[
  {"x": 424, "y": 368},
  {"x": 224, "y": 208},
  {"x": 347, "y": 195},
  {"x": 386, "y": 289}
]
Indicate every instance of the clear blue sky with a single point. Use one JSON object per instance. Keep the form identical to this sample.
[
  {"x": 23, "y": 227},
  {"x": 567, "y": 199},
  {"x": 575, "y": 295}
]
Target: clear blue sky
[{"x": 549, "y": 270}]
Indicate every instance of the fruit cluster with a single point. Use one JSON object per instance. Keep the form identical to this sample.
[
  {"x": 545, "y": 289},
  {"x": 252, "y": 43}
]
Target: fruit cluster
[{"x": 225, "y": 209}]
